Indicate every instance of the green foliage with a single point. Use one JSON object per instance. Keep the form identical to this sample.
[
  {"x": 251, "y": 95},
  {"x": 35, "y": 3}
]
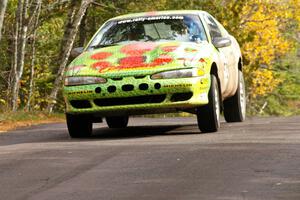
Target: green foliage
[{"x": 287, "y": 95}]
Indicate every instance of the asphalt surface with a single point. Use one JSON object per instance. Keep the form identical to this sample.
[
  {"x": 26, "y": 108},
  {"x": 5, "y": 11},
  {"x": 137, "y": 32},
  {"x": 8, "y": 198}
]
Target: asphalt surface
[{"x": 154, "y": 159}]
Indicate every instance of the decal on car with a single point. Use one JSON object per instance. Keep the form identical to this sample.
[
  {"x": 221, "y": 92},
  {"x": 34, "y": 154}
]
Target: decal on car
[{"x": 135, "y": 56}]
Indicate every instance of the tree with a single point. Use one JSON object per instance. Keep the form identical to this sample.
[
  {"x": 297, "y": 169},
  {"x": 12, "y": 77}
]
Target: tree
[
  {"x": 33, "y": 56},
  {"x": 24, "y": 19},
  {"x": 74, "y": 20},
  {"x": 3, "y": 4}
]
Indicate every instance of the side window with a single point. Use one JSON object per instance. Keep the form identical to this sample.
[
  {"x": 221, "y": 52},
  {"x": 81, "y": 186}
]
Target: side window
[{"x": 213, "y": 27}]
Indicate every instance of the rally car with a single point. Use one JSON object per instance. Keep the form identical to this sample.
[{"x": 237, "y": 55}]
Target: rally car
[{"x": 156, "y": 62}]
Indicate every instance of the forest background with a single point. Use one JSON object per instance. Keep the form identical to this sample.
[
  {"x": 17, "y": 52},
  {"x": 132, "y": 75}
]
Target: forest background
[{"x": 37, "y": 37}]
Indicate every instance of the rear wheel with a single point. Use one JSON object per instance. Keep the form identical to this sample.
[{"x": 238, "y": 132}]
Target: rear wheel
[
  {"x": 235, "y": 106},
  {"x": 117, "y": 121},
  {"x": 208, "y": 116},
  {"x": 79, "y": 126}
]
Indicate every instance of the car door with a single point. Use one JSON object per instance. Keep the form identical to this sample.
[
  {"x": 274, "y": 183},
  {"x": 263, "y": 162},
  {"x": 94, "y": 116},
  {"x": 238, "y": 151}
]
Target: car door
[{"x": 226, "y": 54}]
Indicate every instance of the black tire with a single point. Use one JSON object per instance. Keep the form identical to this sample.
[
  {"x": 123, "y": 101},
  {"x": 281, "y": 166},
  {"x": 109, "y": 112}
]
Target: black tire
[
  {"x": 235, "y": 106},
  {"x": 208, "y": 116},
  {"x": 117, "y": 121},
  {"x": 79, "y": 126}
]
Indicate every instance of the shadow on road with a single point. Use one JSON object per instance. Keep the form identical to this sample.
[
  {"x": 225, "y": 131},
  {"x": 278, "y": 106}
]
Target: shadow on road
[
  {"x": 58, "y": 133},
  {"x": 137, "y": 132}
]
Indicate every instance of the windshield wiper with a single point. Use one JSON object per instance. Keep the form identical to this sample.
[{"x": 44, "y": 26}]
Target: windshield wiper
[
  {"x": 102, "y": 45},
  {"x": 158, "y": 39}
]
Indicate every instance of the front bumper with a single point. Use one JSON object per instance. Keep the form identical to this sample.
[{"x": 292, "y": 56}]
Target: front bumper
[{"x": 137, "y": 95}]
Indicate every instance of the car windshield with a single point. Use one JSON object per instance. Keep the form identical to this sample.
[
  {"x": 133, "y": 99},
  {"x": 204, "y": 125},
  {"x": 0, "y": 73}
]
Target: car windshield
[{"x": 183, "y": 28}]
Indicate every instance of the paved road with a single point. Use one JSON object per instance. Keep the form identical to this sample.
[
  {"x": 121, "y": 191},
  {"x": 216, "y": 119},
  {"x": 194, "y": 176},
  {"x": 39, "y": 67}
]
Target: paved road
[{"x": 154, "y": 159}]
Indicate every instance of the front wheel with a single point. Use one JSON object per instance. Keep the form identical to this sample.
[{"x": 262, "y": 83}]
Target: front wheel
[
  {"x": 79, "y": 126},
  {"x": 235, "y": 106},
  {"x": 117, "y": 121},
  {"x": 208, "y": 116}
]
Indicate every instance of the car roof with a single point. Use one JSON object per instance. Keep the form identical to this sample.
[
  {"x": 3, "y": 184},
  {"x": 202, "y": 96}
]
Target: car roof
[{"x": 157, "y": 13}]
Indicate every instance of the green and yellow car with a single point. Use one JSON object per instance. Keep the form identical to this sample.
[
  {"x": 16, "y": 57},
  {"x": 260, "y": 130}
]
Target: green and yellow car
[{"x": 156, "y": 62}]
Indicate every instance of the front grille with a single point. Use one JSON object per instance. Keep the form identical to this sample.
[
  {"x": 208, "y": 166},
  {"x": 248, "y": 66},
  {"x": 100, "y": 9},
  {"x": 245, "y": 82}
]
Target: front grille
[
  {"x": 181, "y": 96},
  {"x": 111, "y": 89},
  {"x": 143, "y": 86},
  {"x": 127, "y": 87},
  {"x": 139, "y": 77},
  {"x": 117, "y": 78},
  {"x": 130, "y": 100},
  {"x": 80, "y": 104}
]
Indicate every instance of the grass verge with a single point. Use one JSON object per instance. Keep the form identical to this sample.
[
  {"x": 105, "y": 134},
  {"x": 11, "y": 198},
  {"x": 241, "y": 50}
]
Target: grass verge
[{"x": 13, "y": 120}]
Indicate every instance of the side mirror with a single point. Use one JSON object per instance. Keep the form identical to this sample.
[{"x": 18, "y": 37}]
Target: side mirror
[
  {"x": 76, "y": 52},
  {"x": 220, "y": 42}
]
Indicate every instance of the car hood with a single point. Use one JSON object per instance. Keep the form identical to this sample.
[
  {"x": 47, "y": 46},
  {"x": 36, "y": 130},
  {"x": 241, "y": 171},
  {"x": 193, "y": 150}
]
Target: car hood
[{"x": 140, "y": 58}]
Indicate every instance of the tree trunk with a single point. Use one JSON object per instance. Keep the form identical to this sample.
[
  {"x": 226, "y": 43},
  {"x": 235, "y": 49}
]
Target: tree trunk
[
  {"x": 69, "y": 26},
  {"x": 3, "y": 4},
  {"x": 13, "y": 75},
  {"x": 31, "y": 82},
  {"x": 22, "y": 48},
  {"x": 82, "y": 31},
  {"x": 68, "y": 41},
  {"x": 23, "y": 19}
]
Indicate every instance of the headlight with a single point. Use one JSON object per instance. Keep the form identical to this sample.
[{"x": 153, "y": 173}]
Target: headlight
[
  {"x": 184, "y": 73},
  {"x": 83, "y": 80}
]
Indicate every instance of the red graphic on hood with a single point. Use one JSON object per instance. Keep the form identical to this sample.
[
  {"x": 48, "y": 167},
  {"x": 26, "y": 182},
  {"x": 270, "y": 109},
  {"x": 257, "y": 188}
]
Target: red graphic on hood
[
  {"x": 101, "y": 55},
  {"x": 138, "y": 48},
  {"x": 101, "y": 66},
  {"x": 202, "y": 60},
  {"x": 190, "y": 50},
  {"x": 161, "y": 60},
  {"x": 132, "y": 62},
  {"x": 135, "y": 58},
  {"x": 138, "y": 62},
  {"x": 169, "y": 48}
]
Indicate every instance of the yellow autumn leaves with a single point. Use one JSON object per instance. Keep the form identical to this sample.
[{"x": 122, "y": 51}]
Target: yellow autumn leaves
[
  {"x": 264, "y": 23},
  {"x": 263, "y": 82}
]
